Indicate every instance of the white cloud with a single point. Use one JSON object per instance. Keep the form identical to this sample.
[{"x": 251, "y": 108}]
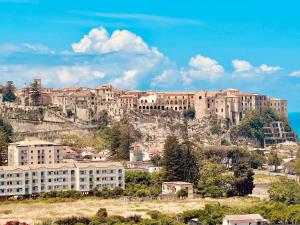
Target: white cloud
[
  {"x": 168, "y": 78},
  {"x": 128, "y": 80},
  {"x": 295, "y": 73},
  {"x": 245, "y": 69},
  {"x": 268, "y": 69},
  {"x": 25, "y": 48},
  {"x": 206, "y": 65},
  {"x": 241, "y": 65},
  {"x": 99, "y": 41},
  {"x": 199, "y": 68}
]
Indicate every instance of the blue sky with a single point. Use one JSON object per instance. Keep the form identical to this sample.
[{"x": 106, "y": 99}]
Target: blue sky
[{"x": 165, "y": 45}]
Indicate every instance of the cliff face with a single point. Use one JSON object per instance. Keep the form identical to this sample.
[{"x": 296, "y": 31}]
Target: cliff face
[{"x": 154, "y": 128}]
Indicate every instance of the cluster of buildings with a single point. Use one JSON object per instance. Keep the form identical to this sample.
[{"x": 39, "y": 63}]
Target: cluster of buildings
[
  {"x": 85, "y": 103},
  {"x": 276, "y": 133},
  {"x": 36, "y": 166}
]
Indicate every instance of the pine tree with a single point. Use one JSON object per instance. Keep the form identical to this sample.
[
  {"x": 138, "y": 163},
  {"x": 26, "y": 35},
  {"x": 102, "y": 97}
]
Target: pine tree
[
  {"x": 172, "y": 161},
  {"x": 190, "y": 168},
  {"x": 3, "y": 148},
  {"x": 35, "y": 93},
  {"x": 125, "y": 141},
  {"x": 115, "y": 138},
  {"x": 7, "y": 129},
  {"x": 243, "y": 177},
  {"x": 8, "y": 93}
]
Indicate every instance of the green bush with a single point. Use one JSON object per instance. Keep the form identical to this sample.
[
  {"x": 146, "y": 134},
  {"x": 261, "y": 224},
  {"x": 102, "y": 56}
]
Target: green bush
[
  {"x": 182, "y": 193},
  {"x": 285, "y": 190}
]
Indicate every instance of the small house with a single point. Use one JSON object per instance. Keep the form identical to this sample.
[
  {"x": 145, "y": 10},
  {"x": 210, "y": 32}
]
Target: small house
[
  {"x": 247, "y": 219},
  {"x": 171, "y": 188}
]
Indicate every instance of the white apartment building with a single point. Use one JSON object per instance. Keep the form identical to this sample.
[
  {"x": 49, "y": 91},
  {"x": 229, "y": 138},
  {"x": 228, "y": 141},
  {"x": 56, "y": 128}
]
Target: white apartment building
[
  {"x": 29, "y": 180},
  {"x": 32, "y": 152}
]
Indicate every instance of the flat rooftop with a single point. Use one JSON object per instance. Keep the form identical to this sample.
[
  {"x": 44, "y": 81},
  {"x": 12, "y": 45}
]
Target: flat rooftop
[{"x": 63, "y": 165}]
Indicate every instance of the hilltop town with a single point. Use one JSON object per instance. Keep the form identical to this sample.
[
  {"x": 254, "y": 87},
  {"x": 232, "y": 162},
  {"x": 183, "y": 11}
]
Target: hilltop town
[{"x": 130, "y": 145}]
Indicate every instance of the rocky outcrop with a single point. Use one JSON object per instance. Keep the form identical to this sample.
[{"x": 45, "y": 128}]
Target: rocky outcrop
[{"x": 154, "y": 128}]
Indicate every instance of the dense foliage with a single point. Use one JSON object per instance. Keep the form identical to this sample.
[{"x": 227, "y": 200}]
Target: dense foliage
[
  {"x": 6, "y": 134},
  {"x": 218, "y": 171},
  {"x": 180, "y": 161},
  {"x": 214, "y": 182},
  {"x": 274, "y": 160},
  {"x": 253, "y": 122},
  {"x": 122, "y": 135},
  {"x": 9, "y": 92},
  {"x": 142, "y": 184},
  {"x": 285, "y": 190}
]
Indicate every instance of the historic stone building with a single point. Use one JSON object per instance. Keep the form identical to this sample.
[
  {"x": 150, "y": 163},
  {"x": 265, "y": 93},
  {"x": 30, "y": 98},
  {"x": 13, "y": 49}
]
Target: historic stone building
[{"x": 85, "y": 104}]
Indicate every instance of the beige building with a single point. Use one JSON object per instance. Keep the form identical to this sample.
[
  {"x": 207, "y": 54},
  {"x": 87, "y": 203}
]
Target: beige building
[
  {"x": 34, "y": 152},
  {"x": 245, "y": 219},
  {"x": 171, "y": 188},
  {"x": 84, "y": 177},
  {"x": 276, "y": 133},
  {"x": 79, "y": 103}
]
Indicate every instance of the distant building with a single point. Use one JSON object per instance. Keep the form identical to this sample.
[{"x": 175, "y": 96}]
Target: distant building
[
  {"x": 171, "y": 188},
  {"x": 33, "y": 179},
  {"x": 247, "y": 219},
  {"x": 34, "y": 152},
  {"x": 275, "y": 133},
  {"x": 100, "y": 157},
  {"x": 138, "y": 153},
  {"x": 79, "y": 103}
]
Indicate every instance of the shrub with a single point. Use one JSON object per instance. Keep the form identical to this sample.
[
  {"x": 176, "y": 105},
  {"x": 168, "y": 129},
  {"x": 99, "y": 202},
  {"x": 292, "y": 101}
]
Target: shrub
[
  {"x": 216, "y": 129},
  {"x": 285, "y": 190},
  {"x": 73, "y": 220},
  {"x": 182, "y": 193},
  {"x": 15, "y": 222},
  {"x": 225, "y": 142}
]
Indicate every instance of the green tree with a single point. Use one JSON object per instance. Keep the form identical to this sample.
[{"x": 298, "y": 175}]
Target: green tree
[
  {"x": 3, "y": 149},
  {"x": 115, "y": 134},
  {"x": 243, "y": 175},
  {"x": 285, "y": 190},
  {"x": 35, "y": 93},
  {"x": 257, "y": 159},
  {"x": 214, "y": 182},
  {"x": 127, "y": 137},
  {"x": 189, "y": 163},
  {"x": 7, "y": 129},
  {"x": 190, "y": 113},
  {"x": 182, "y": 193},
  {"x": 9, "y": 92},
  {"x": 172, "y": 159},
  {"x": 274, "y": 159},
  {"x": 253, "y": 122},
  {"x": 103, "y": 119}
]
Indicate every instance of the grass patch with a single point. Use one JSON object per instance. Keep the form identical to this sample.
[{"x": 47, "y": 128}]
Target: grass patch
[
  {"x": 265, "y": 179},
  {"x": 6, "y": 212},
  {"x": 142, "y": 210}
]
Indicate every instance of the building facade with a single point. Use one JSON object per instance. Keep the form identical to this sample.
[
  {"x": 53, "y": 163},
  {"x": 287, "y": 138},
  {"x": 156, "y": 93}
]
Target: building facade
[
  {"x": 276, "y": 133},
  {"x": 34, "y": 152},
  {"x": 85, "y": 104},
  {"x": 29, "y": 180}
]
